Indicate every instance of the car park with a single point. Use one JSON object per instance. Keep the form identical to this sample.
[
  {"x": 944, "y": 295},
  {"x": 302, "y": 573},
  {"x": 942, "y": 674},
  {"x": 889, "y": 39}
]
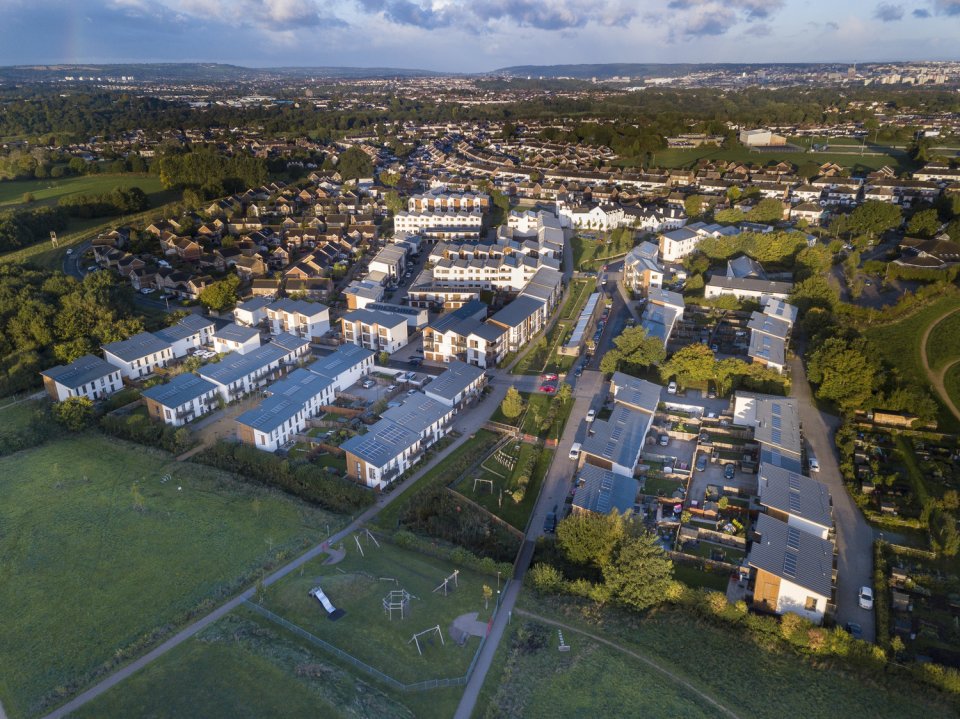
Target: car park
[
  {"x": 865, "y": 598},
  {"x": 575, "y": 451}
]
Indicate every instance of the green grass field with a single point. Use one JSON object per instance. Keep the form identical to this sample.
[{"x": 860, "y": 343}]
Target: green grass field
[
  {"x": 48, "y": 192},
  {"x": 92, "y": 567},
  {"x": 358, "y": 585},
  {"x": 244, "y": 666},
  {"x": 757, "y": 679},
  {"x": 943, "y": 344},
  {"x": 14, "y": 416},
  {"x": 683, "y": 158},
  {"x": 952, "y": 383},
  {"x": 898, "y": 344}
]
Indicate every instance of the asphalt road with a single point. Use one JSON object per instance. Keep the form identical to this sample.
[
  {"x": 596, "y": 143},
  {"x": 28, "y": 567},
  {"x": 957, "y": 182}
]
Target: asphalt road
[{"x": 854, "y": 535}]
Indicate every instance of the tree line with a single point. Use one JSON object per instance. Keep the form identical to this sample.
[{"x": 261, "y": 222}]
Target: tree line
[{"x": 26, "y": 226}]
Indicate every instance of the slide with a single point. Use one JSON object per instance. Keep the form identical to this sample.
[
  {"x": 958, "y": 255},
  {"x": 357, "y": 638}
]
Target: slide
[{"x": 332, "y": 612}]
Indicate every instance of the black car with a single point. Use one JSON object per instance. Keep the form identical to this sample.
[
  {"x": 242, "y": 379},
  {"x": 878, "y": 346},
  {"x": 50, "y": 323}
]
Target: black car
[
  {"x": 729, "y": 471},
  {"x": 550, "y": 523},
  {"x": 416, "y": 362}
]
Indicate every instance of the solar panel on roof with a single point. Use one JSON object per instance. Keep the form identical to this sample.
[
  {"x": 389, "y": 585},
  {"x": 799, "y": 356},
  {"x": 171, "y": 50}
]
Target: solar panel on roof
[
  {"x": 793, "y": 499},
  {"x": 776, "y": 436},
  {"x": 776, "y": 422},
  {"x": 790, "y": 565},
  {"x": 793, "y": 538},
  {"x": 776, "y": 407},
  {"x": 794, "y": 481}
]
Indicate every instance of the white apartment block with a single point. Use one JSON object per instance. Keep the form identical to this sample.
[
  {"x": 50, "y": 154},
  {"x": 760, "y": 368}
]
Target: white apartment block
[
  {"x": 86, "y": 376},
  {"x": 377, "y": 331},
  {"x": 310, "y": 320}
]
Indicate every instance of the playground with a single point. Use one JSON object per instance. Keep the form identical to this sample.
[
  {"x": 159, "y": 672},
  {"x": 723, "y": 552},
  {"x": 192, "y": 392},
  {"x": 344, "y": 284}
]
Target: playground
[{"x": 403, "y": 613}]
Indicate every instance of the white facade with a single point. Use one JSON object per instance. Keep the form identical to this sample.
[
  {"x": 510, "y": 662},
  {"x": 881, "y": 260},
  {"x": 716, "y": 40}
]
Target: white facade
[
  {"x": 228, "y": 343},
  {"x": 134, "y": 363},
  {"x": 303, "y": 319},
  {"x": 798, "y": 600},
  {"x": 377, "y": 331},
  {"x": 87, "y": 376},
  {"x": 446, "y": 224},
  {"x": 677, "y": 244},
  {"x": 598, "y": 217}
]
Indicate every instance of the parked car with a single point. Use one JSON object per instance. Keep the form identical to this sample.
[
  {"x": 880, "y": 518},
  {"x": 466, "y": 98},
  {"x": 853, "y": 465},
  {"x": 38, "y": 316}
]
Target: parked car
[
  {"x": 368, "y": 383},
  {"x": 865, "y": 598},
  {"x": 672, "y": 387},
  {"x": 715, "y": 347},
  {"x": 854, "y": 629},
  {"x": 550, "y": 523},
  {"x": 549, "y": 377},
  {"x": 729, "y": 471},
  {"x": 575, "y": 451},
  {"x": 392, "y": 388},
  {"x": 548, "y": 388},
  {"x": 411, "y": 392},
  {"x": 591, "y": 415},
  {"x": 147, "y": 290},
  {"x": 814, "y": 464},
  {"x": 578, "y": 371},
  {"x": 701, "y": 461},
  {"x": 70, "y": 251},
  {"x": 416, "y": 362},
  {"x": 704, "y": 438},
  {"x": 664, "y": 440}
]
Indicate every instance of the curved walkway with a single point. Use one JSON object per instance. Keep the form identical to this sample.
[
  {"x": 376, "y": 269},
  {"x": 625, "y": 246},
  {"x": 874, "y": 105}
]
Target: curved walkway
[
  {"x": 649, "y": 662},
  {"x": 936, "y": 378}
]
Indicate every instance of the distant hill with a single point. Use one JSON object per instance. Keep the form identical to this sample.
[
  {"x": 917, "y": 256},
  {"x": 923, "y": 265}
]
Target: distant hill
[{"x": 197, "y": 72}]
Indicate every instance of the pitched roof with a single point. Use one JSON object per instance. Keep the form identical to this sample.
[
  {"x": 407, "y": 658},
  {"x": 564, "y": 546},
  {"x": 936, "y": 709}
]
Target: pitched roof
[
  {"x": 601, "y": 491},
  {"x": 518, "y": 311},
  {"x": 795, "y": 494},
  {"x": 287, "y": 398},
  {"x": 792, "y": 554},
  {"x": 635, "y": 392},
  {"x": 181, "y": 389},
  {"x": 235, "y": 366},
  {"x": 457, "y": 378},
  {"x": 619, "y": 439},
  {"x": 345, "y": 357},
  {"x": 384, "y": 441},
  {"x": 140, "y": 345},
  {"x": 417, "y": 412},
  {"x": 236, "y": 333},
  {"x": 82, "y": 370}
]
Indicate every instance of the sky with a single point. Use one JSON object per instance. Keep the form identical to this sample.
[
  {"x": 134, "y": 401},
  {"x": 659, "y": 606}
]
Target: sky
[{"x": 474, "y": 35}]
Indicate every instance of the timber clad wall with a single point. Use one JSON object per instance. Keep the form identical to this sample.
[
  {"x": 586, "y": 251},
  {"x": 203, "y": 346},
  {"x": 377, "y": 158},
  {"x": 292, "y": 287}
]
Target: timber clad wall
[
  {"x": 154, "y": 408},
  {"x": 766, "y": 591},
  {"x": 245, "y": 434},
  {"x": 50, "y": 385}
]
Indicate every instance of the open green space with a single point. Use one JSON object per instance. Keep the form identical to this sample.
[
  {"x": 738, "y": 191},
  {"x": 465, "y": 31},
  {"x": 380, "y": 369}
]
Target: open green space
[
  {"x": 359, "y": 584},
  {"x": 951, "y": 381},
  {"x": 495, "y": 492},
  {"x": 49, "y": 191},
  {"x": 695, "y": 577},
  {"x": 898, "y": 344},
  {"x": 591, "y": 679},
  {"x": 579, "y": 292},
  {"x": 14, "y": 415},
  {"x": 246, "y": 666},
  {"x": 589, "y": 254},
  {"x": 753, "y": 674},
  {"x": 539, "y": 405},
  {"x": 100, "y": 556},
  {"x": 943, "y": 344}
]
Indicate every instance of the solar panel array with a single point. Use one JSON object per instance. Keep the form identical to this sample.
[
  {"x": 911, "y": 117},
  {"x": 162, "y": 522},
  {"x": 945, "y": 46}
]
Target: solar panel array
[
  {"x": 793, "y": 538},
  {"x": 790, "y": 565}
]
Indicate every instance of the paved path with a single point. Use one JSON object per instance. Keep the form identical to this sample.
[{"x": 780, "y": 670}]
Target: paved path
[
  {"x": 936, "y": 378},
  {"x": 589, "y": 391},
  {"x": 467, "y": 423},
  {"x": 649, "y": 662},
  {"x": 854, "y": 535}
]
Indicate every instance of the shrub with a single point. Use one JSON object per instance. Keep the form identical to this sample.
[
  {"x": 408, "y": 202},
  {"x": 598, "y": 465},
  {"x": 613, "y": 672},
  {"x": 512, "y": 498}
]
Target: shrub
[{"x": 143, "y": 430}]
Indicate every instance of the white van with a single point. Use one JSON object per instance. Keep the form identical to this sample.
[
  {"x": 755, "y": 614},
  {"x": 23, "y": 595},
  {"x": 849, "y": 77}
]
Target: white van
[{"x": 575, "y": 451}]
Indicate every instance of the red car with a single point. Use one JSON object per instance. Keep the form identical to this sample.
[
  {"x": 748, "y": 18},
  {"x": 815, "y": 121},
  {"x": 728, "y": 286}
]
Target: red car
[{"x": 548, "y": 388}]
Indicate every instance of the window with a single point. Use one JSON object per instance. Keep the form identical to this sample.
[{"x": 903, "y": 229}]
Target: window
[{"x": 811, "y": 604}]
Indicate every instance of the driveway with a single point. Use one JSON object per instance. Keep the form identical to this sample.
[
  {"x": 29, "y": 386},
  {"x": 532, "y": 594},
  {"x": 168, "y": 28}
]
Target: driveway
[{"x": 854, "y": 535}]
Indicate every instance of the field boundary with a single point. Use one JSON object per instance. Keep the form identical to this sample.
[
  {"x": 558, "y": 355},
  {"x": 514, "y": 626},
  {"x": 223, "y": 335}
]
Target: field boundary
[{"x": 629, "y": 652}]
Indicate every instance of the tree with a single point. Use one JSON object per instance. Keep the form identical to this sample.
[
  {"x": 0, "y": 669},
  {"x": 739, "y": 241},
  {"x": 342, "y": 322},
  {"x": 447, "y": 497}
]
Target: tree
[
  {"x": 512, "y": 405},
  {"x": 389, "y": 179},
  {"x": 691, "y": 364},
  {"x": 487, "y": 595},
  {"x": 28, "y": 198},
  {"x": 729, "y": 217},
  {"x": 354, "y": 163},
  {"x": 640, "y": 573},
  {"x": 633, "y": 347},
  {"x": 815, "y": 291},
  {"x": 221, "y": 295},
  {"x": 925, "y": 223},
  {"x": 564, "y": 393},
  {"x": 844, "y": 371},
  {"x": 393, "y": 201},
  {"x": 74, "y": 413},
  {"x": 693, "y": 205},
  {"x": 383, "y": 357},
  {"x": 589, "y": 539},
  {"x": 874, "y": 217},
  {"x": 767, "y": 210},
  {"x": 546, "y": 578},
  {"x": 815, "y": 260}
]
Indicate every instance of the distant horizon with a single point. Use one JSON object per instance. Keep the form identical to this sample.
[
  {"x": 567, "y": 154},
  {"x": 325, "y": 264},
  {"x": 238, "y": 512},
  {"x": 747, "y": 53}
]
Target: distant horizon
[{"x": 474, "y": 36}]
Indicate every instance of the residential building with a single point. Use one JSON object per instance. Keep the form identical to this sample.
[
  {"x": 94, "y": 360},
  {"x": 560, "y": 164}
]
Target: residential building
[
  {"x": 416, "y": 317},
  {"x": 381, "y": 455},
  {"x": 747, "y": 289},
  {"x": 236, "y": 338},
  {"x": 796, "y": 499},
  {"x": 601, "y": 491},
  {"x": 391, "y": 261},
  {"x": 345, "y": 366},
  {"x": 439, "y": 225},
  {"x": 252, "y": 312},
  {"x": 361, "y": 293},
  {"x": 237, "y": 375},
  {"x": 768, "y": 340},
  {"x": 86, "y": 376},
  {"x": 275, "y": 422},
  {"x": 377, "y": 331},
  {"x": 190, "y": 332},
  {"x": 794, "y": 571},
  {"x": 661, "y": 312},
  {"x": 181, "y": 400},
  {"x": 424, "y": 415},
  {"x": 138, "y": 356},
  {"x": 641, "y": 271},
  {"x": 521, "y": 320},
  {"x": 615, "y": 444},
  {"x": 457, "y": 385},
  {"x": 463, "y": 335},
  {"x": 677, "y": 244},
  {"x": 310, "y": 320}
]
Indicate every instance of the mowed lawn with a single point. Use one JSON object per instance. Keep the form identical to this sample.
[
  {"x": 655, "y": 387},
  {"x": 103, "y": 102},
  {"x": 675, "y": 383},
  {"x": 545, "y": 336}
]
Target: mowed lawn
[
  {"x": 358, "y": 585},
  {"x": 943, "y": 344},
  {"x": 90, "y": 566},
  {"x": 243, "y": 666},
  {"x": 49, "y": 191}
]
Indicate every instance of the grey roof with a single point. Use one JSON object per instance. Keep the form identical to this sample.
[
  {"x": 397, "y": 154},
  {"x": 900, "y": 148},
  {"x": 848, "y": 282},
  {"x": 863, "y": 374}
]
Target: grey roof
[
  {"x": 140, "y": 345},
  {"x": 778, "y": 424},
  {"x": 658, "y": 320},
  {"x": 390, "y": 254},
  {"x": 340, "y": 360},
  {"x": 254, "y": 304},
  {"x": 287, "y": 397},
  {"x": 302, "y": 307},
  {"x": 236, "y": 333},
  {"x": 543, "y": 285},
  {"x": 750, "y": 285},
  {"x": 768, "y": 348},
  {"x": 635, "y": 392},
  {"x": 518, "y": 311},
  {"x": 792, "y": 554},
  {"x": 289, "y": 342},
  {"x": 795, "y": 494},
  {"x": 383, "y": 441},
  {"x": 679, "y": 235},
  {"x": 744, "y": 266},
  {"x": 82, "y": 370},
  {"x": 660, "y": 296},
  {"x": 417, "y": 412},
  {"x": 601, "y": 491},
  {"x": 781, "y": 309},
  {"x": 360, "y": 288},
  {"x": 458, "y": 376},
  {"x": 404, "y": 310},
  {"x": 619, "y": 439},
  {"x": 181, "y": 389},
  {"x": 374, "y": 317},
  {"x": 235, "y": 366},
  {"x": 768, "y": 324}
]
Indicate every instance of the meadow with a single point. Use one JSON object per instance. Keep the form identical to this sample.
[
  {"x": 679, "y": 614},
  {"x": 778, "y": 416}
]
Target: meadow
[
  {"x": 107, "y": 547},
  {"x": 49, "y": 191}
]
